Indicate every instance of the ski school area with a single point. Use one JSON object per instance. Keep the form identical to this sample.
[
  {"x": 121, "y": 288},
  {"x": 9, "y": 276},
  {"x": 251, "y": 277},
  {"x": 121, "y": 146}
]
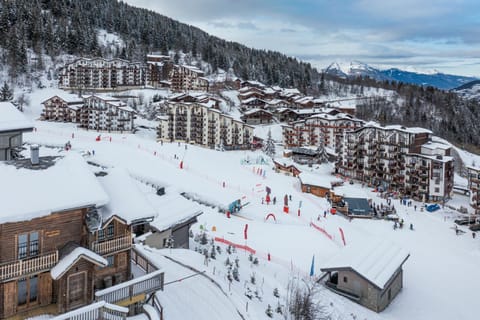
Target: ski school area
[{"x": 263, "y": 212}]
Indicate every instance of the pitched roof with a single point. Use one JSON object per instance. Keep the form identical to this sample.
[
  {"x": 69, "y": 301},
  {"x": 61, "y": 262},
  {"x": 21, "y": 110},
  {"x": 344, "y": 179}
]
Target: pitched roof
[
  {"x": 12, "y": 119},
  {"x": 73, "y": 257},
  {"x": 376, "y": 261},
  {"x": 314, "y": 180},
  {"x": 172, "y": 209},
  {"x": 66, "y": 184},
  {"x": 117, "y": 184}
]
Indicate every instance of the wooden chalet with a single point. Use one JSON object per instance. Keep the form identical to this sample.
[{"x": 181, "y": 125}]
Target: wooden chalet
[
  {"x": 251, "y": 93},
  {"x": 61, "y": 246},
  {"x": 287, "y": 167},
  {"x": 257, "y": 116},
  {"x": 252, "y": 83},
  {"x": 253, "y": 103},
  {"x": 12, "y": 126},
  {"x": 370, "y": 274},
  {"x": 314, "y": 184}
]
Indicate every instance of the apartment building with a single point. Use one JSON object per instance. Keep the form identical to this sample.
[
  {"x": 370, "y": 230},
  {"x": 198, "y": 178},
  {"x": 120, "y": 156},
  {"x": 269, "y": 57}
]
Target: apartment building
[
  {"x": 200, "y": 124},
  {"x": 474, "y": 186},
  {"x": 106, "y": 114},
  {"x": 398, "y": 159},
  {"x": 65, "y": 108},
  {"x": 159, "y": 68},
  {"x": 326, "y": 127},
  {"x": 103, "y": 74},
  {"x": 188, "y": 78}
]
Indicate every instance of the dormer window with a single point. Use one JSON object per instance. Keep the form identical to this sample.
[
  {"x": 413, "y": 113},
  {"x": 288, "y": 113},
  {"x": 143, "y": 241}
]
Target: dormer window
[{"x": 106, "y": 233}]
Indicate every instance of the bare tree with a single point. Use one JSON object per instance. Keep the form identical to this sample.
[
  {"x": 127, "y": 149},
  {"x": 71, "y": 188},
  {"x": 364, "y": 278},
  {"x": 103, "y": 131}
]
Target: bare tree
[{"x": 301, "y": 302}]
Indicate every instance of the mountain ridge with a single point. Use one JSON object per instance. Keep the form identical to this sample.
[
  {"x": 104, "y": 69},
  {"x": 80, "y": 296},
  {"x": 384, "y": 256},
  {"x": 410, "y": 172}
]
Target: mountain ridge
[{"x": 436, "y": 79}]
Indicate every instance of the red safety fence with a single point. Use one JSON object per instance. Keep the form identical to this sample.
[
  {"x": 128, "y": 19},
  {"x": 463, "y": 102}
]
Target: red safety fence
[
  {"x": 329, "y": 236},
  {"x": 238, "y": 246}
]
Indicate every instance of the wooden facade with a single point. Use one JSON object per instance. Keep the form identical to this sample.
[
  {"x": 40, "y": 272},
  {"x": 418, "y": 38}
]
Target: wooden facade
[
  {"x": 319, "y": 191},
  {"x": 30, "y": 249},
  {"x": 288, "y": 169}
]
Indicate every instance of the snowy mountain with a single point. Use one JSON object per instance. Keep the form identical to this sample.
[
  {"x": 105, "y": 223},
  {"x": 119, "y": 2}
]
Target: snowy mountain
[
  {"x": 434, "y": 78},
  {"x": 469, "y": 90}
]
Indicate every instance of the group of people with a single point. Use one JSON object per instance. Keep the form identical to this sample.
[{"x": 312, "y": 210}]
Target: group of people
[{"x": 400, "y": 224}]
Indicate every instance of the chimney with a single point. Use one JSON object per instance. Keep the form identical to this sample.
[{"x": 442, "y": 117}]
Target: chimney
[{"x": 34, "y": 154}]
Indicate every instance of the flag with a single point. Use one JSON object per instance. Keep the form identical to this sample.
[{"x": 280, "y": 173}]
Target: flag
[
  {"x": 312, "y": 267},
  {"x": 245, "y": 231}
]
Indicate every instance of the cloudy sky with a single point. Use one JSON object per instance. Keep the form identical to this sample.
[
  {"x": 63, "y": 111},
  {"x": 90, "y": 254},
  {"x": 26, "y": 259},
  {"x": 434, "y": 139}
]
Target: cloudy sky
[{"x": 423, "y": 35}]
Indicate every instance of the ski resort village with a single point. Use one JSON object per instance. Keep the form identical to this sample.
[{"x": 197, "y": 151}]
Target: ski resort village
[{"x": 151, "y": 191}]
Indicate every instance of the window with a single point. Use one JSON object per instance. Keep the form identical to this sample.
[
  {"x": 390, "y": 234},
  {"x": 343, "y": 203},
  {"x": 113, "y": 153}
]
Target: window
[
  {"x": 28, "y": 245},
  {"x": 437, "y": 190},
  {"x": 110, "y": 230},
  {"x": 107, "y": 233},
  {"x": 110, "y": 260},
  {"x": 345, "y": 279}
]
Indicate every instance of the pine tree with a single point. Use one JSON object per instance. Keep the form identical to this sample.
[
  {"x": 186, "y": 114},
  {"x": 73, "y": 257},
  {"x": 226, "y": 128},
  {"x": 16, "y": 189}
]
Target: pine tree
[
  {"x": 269, "y": 147},
  {"x": 269, "y": 311},
  {"x": 235, "y": 274},
  {"x": 6, "y": 93}
]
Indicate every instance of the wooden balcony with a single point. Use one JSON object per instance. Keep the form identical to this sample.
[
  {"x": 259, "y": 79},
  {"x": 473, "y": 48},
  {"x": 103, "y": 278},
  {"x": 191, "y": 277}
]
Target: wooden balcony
[
  {"x": 98, "y": 310},
  {"x": 27, "y": 266},
  {"x": 112, "y": 245},
  {"x": 132, "y": 291}
]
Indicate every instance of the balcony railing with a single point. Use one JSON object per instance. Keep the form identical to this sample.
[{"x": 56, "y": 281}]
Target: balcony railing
[
  {"x": 27, "y": 266},
  {"x": 112, "y": 245},
  {"x": 145, "y": 284},
  {"x": 98, "y": 310}
]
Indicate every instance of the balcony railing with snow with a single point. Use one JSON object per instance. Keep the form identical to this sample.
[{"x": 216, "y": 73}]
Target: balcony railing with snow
[
  {"x": 27, "y": 266},
  {"x": 145, "y": 284},
  {"x": 98, "y": 310},
  {"x": 112, "y": 245}
]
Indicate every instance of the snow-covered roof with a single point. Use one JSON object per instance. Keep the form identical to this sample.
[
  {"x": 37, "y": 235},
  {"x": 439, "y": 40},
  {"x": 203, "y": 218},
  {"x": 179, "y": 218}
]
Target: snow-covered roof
[
  {"x": 286, "y": 162},
  {"x": 70, "y": 259},
  {"x": 102, "y": 97},
  {"x": 253, "y": 111},
  {"x": 338, "y": 116},
  {"x": 377, "y": 261},
  {"x": 68, "y": 98},
  {"x": 314, "y": 180},
  {"x": 398, "y": 128},
  {"x": 67, "y": 184},
  {"x": 276, "y": 101},
  {"x": 127, "y": 108},
  {"x": 269, "y": 91},
  {"x": 12, "y": 119},
  {"x": 117, "y": 184},
  {"x": 291, "y": 90},
  {"x": 436, "y": 146},
  {"x": 172, "y": 209},
  {"x": 252, "y": 99}
]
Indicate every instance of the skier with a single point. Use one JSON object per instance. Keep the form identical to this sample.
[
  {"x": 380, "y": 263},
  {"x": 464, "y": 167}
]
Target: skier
[
  {"x": 411, "y": 226},
  {"x": 274, "y": 200}
]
